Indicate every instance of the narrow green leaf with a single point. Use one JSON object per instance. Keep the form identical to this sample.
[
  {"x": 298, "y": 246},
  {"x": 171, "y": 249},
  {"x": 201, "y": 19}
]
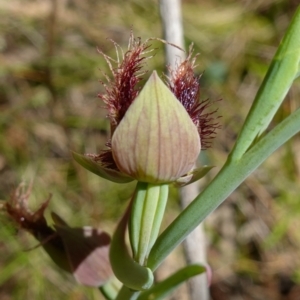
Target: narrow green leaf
[
  {"x": 97, "y": 169},
  {"x": 164, "y": 288},
  {"x": 279, "y": 78}
]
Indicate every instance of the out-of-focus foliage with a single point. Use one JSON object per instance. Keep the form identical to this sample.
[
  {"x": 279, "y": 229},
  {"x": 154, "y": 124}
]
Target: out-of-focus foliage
[{"x": 49, "y": 81}]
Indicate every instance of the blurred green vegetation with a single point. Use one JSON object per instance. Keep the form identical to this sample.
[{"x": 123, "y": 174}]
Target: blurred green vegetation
[{"x": 49, "y": 80}]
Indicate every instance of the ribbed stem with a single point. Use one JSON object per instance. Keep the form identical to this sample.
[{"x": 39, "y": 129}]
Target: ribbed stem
[{"x": 148, "y": 208}]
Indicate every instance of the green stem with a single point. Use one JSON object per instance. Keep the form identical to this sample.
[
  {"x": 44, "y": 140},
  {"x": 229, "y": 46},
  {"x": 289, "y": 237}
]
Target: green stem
[
  {"x": 149, "y": 203},
  {"x": 229, "y": 178},
  {"x": 129, "y": 272}
]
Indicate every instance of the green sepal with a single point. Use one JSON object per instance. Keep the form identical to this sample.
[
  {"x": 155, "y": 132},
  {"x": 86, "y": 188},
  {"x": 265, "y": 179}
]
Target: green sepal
[
  {"x": 96, "y": 168},
  {"x": 192, "y": 176},
  {"x": 165, "y": 287},
  {"x": 284, "y": 69}
]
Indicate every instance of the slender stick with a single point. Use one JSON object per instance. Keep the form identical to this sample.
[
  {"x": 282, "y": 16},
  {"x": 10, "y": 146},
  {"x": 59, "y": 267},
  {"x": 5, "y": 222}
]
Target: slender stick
[
  {"x": 170, "y": 11},
  {"x": 194, "y": 245}
]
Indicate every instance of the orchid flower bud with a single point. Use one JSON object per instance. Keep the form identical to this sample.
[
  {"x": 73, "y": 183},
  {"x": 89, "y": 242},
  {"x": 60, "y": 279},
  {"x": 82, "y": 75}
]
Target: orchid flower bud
[
  {"x": 157, "y": 132},
  {"x": 156, "y": 141}
]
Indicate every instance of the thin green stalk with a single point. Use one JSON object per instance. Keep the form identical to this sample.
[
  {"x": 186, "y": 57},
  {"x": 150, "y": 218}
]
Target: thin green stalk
[{"x": 149, "y": 203}]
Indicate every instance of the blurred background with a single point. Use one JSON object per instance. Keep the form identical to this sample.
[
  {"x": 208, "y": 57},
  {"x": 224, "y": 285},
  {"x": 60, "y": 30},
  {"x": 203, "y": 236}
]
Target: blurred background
[{"x": 50, "y": 73}]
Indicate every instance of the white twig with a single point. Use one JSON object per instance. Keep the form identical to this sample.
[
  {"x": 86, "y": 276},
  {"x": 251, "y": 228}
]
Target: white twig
[{"x": 194, "y": 245}]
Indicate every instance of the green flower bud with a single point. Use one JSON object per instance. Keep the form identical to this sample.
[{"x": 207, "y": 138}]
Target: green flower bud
[
  {"x": 155, "y": 131},
  {"x": 156, "y": 141}
]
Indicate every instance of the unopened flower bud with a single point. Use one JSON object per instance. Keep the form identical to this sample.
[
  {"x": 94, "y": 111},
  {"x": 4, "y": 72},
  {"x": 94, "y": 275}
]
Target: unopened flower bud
[{"x": 156, "y": 141}]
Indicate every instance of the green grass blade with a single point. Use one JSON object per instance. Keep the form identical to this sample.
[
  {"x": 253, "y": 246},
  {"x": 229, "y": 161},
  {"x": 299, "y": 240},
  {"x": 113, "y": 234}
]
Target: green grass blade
[{"x": 279, "y": 78}]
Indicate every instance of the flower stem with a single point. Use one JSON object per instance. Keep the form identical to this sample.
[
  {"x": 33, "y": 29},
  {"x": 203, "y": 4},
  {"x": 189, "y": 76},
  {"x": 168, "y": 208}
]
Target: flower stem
[{"x": 148, "y": 208}]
